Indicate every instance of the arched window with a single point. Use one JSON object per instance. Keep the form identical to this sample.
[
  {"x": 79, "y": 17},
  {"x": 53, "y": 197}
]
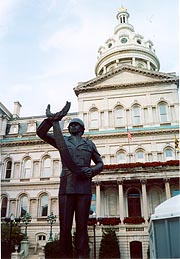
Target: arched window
[
  {"x": 163, "y": 112},
  {"x": 140, "y": 155},
  {"x": 136, "y": 250},
  {"x": 23, "y": 205},
  {"x": 168, "y": 154},
  {"x": 27, "y": 168},
  {"x": 8, "y": 169},
  {"x": 136, "y": 115},
  {"x": 46, "y": 170},
  {"x": 4, "y": 203},
  {"x": 93, "y": 119},
  {"x": 119, "y": 116},
  {"x": 121, "y": 157},
  {"x": 134, "y": 203},
  {"x": 44, "y": 205}
]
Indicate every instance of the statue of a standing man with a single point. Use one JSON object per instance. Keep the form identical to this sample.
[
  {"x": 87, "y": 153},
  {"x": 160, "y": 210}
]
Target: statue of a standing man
[{"x": 76, "y": 178}]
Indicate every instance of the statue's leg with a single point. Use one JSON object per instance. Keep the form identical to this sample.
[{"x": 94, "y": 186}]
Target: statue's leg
[
  {"x": 66, "y": 212},
  {"x": 82, "y": 208}
]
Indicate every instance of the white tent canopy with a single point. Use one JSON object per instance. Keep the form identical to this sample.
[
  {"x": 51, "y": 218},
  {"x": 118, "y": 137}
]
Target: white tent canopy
[{"x": 167, "y": 209}]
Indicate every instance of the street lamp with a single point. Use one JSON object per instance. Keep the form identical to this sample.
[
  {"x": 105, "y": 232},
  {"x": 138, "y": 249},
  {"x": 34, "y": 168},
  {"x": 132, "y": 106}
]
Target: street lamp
[
  {"x": 93, "y": 221},
  {"x": 26, "y": 219},
  {"x": 51, "y": 219}
]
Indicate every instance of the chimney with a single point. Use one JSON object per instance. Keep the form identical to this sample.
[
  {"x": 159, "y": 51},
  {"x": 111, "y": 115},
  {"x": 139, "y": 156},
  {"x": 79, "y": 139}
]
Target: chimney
[{"x": 17, "y": 108}]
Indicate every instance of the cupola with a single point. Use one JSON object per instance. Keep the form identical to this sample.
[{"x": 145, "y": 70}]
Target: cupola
[{"x": 126, "y": 47}]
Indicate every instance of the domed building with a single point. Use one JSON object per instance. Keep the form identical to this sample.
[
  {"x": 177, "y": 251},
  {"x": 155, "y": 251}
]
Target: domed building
[{"x": 130, "y": 110}]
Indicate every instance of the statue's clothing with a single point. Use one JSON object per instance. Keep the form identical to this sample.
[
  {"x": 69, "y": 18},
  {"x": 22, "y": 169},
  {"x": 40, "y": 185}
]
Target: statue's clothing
[{"x": 75, "y": 187}]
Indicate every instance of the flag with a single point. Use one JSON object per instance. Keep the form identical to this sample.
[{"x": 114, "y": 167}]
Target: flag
[
  {"x": 129, "y": 135},
  {"x": 176, "y": 142}
]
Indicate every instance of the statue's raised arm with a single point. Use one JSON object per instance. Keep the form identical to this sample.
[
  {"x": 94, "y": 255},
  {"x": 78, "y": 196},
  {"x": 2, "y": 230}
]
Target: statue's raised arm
[{"x": 58, "y": 115}]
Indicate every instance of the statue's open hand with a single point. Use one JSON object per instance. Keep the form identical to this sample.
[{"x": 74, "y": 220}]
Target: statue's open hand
[{"x": 58, "y": 115}]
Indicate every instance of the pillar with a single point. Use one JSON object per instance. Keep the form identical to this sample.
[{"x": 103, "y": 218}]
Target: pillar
[
  {"x": 167, "y": 188},
  {"x": 144, "y": 199},
  {"x": 98, "y": 200},
  {"x": 121, "y": 199}
]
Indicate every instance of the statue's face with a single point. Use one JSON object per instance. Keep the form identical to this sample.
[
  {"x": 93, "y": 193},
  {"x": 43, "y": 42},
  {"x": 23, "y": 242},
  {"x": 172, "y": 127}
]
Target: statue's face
[{"x": 75, "y": 128}]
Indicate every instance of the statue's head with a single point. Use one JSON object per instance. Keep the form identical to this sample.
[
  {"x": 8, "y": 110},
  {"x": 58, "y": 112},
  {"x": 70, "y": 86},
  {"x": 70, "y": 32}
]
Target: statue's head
[{"x": 75, "y": 121}]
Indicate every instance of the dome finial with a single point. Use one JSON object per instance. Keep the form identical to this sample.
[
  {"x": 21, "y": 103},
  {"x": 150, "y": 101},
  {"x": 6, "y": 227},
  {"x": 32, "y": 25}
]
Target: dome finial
[{"x": 122, "y": 9}]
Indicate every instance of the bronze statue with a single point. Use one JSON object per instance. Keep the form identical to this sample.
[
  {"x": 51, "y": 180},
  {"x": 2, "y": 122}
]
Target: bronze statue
[{"x": 76, "y": 178}]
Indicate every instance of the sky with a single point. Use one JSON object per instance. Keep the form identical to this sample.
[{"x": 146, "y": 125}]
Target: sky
[{"x": 48, "y": 46}]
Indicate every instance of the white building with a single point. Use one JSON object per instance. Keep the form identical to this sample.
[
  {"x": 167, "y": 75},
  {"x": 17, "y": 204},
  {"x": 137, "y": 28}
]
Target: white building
[{"x": 128, "y": 92}]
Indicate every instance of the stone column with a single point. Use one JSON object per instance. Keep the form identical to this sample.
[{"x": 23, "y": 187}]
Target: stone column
[
  {"x": 167, "y": 188},
  {"x": 121, "y": 199},
  {"x": 98, "y": 200},
  {"x": 148, "y": 65},
  {"x": 133, "y": 62},
  {"x": 144, "y": 199}
]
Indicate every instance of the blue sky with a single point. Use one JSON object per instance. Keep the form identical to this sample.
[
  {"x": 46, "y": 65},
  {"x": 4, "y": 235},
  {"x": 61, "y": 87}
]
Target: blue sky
[{"x": 48, "y": 46}]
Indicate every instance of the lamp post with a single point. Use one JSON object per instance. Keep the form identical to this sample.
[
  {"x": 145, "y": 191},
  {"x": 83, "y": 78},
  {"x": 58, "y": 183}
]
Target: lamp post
[
  {"x": 93, "y": 222},
  {"x": 26, "y": 219},
  {"x": 51, "y": 219}
]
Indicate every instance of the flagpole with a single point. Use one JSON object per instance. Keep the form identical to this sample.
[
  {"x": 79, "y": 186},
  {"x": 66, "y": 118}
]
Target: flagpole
[{"x": 129, "y": 146}]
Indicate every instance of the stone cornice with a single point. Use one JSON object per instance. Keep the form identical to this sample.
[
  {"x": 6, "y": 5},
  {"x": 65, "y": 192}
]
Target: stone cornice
[
  {"x": 89, "y": 85},
  {"x": 121, "y": 86},
  {"x": 135, "y": 133},
  {"x": 21, "y": 143},
  {"x": 104, "y": 134}
]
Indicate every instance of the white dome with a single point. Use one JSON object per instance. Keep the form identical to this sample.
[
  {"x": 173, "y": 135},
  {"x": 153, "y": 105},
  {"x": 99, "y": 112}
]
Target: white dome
[
  {"x": 126, "y": 47},
  {"x": 167, "y": 209}
]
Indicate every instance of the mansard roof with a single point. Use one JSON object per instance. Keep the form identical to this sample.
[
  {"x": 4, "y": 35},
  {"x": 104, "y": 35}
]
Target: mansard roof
[
  {"x": 125, "y": 76},
  {"x": 4, "y": 111}
]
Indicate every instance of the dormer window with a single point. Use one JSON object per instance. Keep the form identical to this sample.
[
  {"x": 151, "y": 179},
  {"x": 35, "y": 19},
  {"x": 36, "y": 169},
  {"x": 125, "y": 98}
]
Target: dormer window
[
  {"x": 123, "y": 40},
  {"x": 109, "y": 45}
]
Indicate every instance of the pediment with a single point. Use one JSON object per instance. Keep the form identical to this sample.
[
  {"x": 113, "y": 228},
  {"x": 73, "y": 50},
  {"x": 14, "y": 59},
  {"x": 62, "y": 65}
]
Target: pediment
[
  {"x": 123, "y": 76},
  {"x": 127, "y": 77}
]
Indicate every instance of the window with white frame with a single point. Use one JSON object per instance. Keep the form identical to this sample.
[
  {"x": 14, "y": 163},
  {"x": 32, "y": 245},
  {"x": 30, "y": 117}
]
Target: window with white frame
[
  {"x": 46, "y": 168},
  {"x": 163, "y": 112},
  {"x": 27, "y": 168},
  {"x": 121, "y": 157},
  {"x": 169, "y": 154},
  {"x": 44, "y": 205},
  {"x": 8, "y": 169},
  {"x": 23, "y": 205},
  {"x": 136, "y": 115},
  {"x": 140, "y": 155},
  {"x": 119, "y": 116},
  {"x": 93, "y": 119}
]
